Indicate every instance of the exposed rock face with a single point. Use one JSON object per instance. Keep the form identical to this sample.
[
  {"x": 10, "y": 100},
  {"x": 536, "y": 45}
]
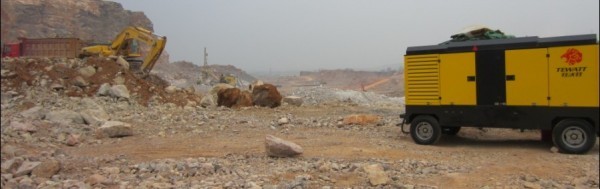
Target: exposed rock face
[
  {"x": 89, "y": 20},
  {"x": 266, "y": 95}
]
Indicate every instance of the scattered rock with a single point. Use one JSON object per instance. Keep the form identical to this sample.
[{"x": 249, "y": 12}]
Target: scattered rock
[
  {"x": 47, "y": 169},
  {"x": 277, "y": 147},
  {"x": 94, "y": 116},
  {"x": 360, "y": 119},
  {"x": 64, "y": 116},
  {"x": 531, "y": 185},
  {"x": 87, "y": 71},
  {"x": 11, "y": 165},
  {"x": 24, "y": 127},
  {"x": 95, "y": 179},
  {"x": 119, "y": 91},
  {"x": 293, "y": 100},
  {"x": 80, "y": 82},
  {"x": 26, "y": 168},
  {"x": 171, "y": 89},
  {"x": 104, "y": 90},
  {"x": 283, "y": 121},
  {"x": 207, "y": 101},
  {"x": 114, "y": 129},
  {"x": 57, "y": 86},
  {"x": 33, "y": 113},
  {"x": 72, "y": 140},
  {"x": 554, "y": 149},
  {"x": 376, "y": 174}
]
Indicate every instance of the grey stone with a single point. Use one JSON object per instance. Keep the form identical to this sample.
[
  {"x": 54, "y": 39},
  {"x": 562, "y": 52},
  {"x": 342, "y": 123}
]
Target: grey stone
[
  {"x": 119, "y": 91},
  {"x": 26, "y": 168},
  {"x": 11, "y": 164},
  {"x": 283, "y": 121},
  {"x": 80, "y": 82},
  {"x": 208, "y": 101},
  {"x": 293, "y": 100},
  {"x": 35, "y": 112},
  {"x": 87, "y": 71},
  {"x": 277, "y": 147},
  {"x": 114, "y": 129},
  {"x": 94, "y": 116},
  {"x": 25, "y": 127},
  {"x": 64, "y": 116},
  {"x": 171, "y": 89},
  {"x": 104, "y": 90},
  {"x": 57, "y": 86}
]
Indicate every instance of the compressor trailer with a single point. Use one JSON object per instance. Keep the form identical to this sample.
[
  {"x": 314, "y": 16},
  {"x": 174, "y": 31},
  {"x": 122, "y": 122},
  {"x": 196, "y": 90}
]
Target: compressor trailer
[{"x": 549, "y": 84}]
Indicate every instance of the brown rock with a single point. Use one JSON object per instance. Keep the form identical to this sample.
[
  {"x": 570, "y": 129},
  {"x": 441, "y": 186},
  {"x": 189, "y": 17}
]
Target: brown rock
[
  {"x": 72, "y": 140},
  {"x": 266, "y": 95},
  {"x": 228, "y": 97},
  {"x": 95, "y": 179},
  {"x": 360, "y": 119},
  {"x": 244, "y": 100},
  {"x": 47, "y": 169}
]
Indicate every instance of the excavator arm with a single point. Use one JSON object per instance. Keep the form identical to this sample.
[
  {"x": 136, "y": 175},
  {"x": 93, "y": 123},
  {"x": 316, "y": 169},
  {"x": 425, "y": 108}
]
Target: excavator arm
[{"x": 123, "y": 46}]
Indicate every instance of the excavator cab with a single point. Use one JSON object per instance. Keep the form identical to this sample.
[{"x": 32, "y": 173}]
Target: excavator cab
[{"x": 126, "y": 45}]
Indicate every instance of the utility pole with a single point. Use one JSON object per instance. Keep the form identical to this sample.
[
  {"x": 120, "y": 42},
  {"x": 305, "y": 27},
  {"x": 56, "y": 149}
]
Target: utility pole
[{"x": 205, "y": 57}]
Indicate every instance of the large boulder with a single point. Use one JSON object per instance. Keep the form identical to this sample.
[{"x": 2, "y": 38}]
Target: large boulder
[
  {"x": 277, "y": 147},
  {"x": 228, "y": 97},
  {"x": 244, "y": 100},
  {"x": 266, "y": 95},
  {"x": 234, "y": 98},
  {"x": 114, "y": 129},
  {"x": 254, "y": 84}
]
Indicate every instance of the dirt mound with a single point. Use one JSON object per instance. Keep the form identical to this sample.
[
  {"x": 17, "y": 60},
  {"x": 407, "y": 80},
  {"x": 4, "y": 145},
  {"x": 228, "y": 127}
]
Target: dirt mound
[{"x": 65, "y": 77}]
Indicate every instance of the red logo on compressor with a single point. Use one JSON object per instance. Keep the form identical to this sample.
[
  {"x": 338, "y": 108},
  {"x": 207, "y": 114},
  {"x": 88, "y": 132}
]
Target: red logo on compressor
[{"x": 572, "y": 56}]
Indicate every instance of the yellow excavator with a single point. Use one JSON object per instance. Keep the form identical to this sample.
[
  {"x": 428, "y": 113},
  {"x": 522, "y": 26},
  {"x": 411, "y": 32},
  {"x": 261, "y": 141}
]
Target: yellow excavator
[{"x": 126, "y": 46}]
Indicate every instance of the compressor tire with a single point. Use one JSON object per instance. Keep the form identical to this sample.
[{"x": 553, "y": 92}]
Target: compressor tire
[
  {"x": 425, "y": 130},
  {"x": 573, "y": 136}
]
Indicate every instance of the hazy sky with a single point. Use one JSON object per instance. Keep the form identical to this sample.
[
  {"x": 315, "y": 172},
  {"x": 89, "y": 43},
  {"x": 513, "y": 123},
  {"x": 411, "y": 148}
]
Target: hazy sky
[{"x": 291, "y": 35}]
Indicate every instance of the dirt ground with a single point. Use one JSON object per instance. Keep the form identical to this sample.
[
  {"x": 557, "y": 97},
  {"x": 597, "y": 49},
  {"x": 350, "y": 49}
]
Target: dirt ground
[{"x": 492, "y": 156}]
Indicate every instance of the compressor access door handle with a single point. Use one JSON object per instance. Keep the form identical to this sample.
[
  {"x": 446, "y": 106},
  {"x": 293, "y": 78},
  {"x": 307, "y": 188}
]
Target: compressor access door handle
[{"x": 510, "y": 77}]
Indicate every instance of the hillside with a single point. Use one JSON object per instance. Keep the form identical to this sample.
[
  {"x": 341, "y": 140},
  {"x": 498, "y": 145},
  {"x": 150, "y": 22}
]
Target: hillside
[{"x": 89, "y": 20}]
